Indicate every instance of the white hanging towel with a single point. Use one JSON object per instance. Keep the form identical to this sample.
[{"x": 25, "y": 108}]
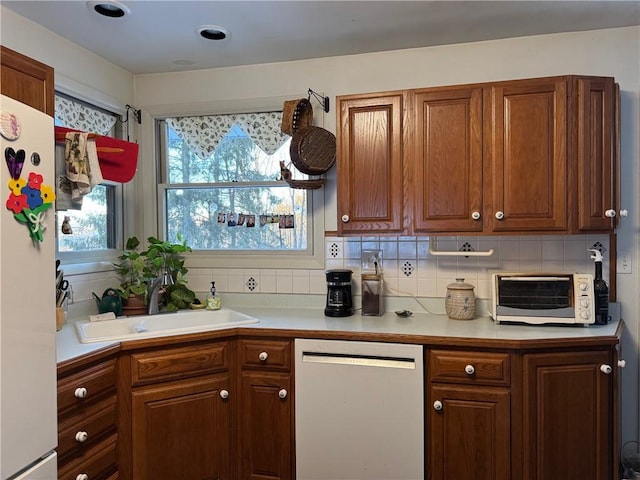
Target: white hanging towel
[{"x": 82, "y": 166}]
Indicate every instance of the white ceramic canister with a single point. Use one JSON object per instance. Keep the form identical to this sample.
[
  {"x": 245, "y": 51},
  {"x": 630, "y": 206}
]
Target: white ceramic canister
[{"x": 460, "y": 302}]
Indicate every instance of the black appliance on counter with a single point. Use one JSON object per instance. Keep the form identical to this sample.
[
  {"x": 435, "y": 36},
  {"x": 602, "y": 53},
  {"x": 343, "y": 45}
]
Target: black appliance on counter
[{"x": 339, "y": 299}]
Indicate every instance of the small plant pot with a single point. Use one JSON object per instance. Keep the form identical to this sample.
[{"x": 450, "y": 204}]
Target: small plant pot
[{"x": 134, "y": 305}]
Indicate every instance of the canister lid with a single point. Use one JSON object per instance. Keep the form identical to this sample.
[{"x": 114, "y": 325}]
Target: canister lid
[
  {"x": 460, "y": 285},
  {"x": 371, "y": 276}
]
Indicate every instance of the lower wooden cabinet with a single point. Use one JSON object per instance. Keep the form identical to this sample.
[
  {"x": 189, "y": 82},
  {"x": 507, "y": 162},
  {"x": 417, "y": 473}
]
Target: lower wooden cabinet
[
  {"x": 87, "y": 417},
  {"x": 266, "y": 428},
  {"x": 569, "y": 418},
  {"x": 182, "y": 430}
]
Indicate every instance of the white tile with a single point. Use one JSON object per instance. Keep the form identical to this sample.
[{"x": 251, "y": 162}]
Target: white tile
[
  {"x": 408, "y": 285},
  {"x": 427, "y": 268},
  {"x": 300, "y": 284},
  {"x": 552, "y": 249},
  {"x": 389, "y": 250},
  {"x": 422, "y": 248},
  {"x": 575, "y": 248},
  {"x": 284, "y": 284},
  {"x": 530, "y": 249},
  {"x": 334, "y": 249},
  {"x": 331, "y": 264},
  {"x": 267, "y": 284},
  {"x": 427, "y": 287},
  {"x": 509, "y": 249},
  {"x": 235, "y": 284},
  {"x": 352, "y": 249}
]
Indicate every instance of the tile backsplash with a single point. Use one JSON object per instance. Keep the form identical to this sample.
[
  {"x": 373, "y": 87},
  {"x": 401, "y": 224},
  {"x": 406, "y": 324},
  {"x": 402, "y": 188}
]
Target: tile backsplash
[{"x": 408, "y": 266}]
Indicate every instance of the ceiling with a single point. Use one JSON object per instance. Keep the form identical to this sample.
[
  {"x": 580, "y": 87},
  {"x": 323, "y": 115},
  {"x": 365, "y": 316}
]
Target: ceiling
[{"x": 160, "y": 36}]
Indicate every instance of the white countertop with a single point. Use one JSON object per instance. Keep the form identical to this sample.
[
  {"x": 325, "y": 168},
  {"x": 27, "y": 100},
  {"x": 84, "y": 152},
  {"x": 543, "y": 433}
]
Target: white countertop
[{"x": 421, "y": 324}]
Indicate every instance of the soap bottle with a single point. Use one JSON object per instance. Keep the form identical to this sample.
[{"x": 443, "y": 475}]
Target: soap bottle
[
  {"x": 213, "y": 301},
  {"x": 600, "y": 290}
]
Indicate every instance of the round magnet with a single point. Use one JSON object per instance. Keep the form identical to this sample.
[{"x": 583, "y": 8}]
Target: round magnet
[
  {"x": 35, "y": 159},
  {"x": 10, "y": 126}
]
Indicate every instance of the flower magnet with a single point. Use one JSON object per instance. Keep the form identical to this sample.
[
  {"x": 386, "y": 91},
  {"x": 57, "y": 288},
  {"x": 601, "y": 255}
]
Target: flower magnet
[{"x": 28, "y": 200}]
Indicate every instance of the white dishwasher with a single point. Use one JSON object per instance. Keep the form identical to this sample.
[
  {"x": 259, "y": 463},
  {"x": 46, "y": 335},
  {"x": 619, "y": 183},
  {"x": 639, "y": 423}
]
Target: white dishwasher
[{"x": 359, "y": 410}]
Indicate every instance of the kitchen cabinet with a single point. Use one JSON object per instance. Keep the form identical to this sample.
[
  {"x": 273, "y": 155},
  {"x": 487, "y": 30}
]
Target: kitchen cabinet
[
  {"x": 266, "y": 442},
  {"x": 87, "y": 416},
  {"x": 569, "y": 415},
  {"x": 27, "y": 80},
  {"x": 180, "y": 417},
  {"x": 468, "y": 415},
  {"x": 370, "y": 164},
  {"x": 522, "y": 156}
]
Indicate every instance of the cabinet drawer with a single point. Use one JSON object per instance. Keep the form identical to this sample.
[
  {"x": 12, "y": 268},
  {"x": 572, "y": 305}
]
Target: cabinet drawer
[
  {"x": 180, "y": 362},
  {"x": 95, "y": 420},
  {"x": 97, "y": 462},
  {"x": 482, "y": 368},
  {"x": 260, "y": 353},
  {"x": 85, "y": 386}
]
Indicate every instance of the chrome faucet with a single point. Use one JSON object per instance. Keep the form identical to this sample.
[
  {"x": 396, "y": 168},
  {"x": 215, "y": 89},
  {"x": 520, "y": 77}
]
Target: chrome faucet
[{"x": 153, "y": 286}]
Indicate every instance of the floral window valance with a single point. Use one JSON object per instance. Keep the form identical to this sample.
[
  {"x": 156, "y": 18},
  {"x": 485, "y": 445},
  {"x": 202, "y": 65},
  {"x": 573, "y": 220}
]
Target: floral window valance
[
  {"x": 203, "y": 133},
  {"x": 76, "y": 115}
]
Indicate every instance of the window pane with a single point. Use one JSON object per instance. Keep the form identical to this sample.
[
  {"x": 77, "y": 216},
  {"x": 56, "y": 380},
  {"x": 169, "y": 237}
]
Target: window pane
[
  {"x": 88, "y": 225},
  {"x": 235, "y": 159},
  {"x": 218, "y": 218}
]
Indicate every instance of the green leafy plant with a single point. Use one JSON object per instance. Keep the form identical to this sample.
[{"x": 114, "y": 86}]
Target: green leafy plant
[
  {"x": 133, "y": 270},
  {"x": 160, "y": 259}
]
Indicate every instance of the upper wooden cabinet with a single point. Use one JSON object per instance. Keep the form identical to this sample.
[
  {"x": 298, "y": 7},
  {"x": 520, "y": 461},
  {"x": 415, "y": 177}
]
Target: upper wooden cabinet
[
  {"x": 370, "y": 164},
  {"x": 522, "y": 156},
  {"x": 27, "y": 80}
]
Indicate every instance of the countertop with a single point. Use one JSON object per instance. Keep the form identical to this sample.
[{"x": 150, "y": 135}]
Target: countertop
[{"x": 422, "y": 327}]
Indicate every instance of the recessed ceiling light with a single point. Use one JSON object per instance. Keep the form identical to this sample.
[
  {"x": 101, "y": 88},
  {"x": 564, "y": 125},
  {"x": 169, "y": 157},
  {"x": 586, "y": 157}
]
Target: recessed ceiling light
[
  {"x": 109, "y": 8},
  {"x": 212, "y": 32}
]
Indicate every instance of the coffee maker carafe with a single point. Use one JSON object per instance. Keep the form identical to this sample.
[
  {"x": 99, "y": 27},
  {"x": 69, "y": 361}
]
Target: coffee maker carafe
[{"x": 339, "y": 300}]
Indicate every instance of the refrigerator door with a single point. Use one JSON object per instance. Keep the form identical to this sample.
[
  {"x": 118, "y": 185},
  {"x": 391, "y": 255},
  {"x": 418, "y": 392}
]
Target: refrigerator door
[
  {"x": 46, "y": 469},
  {"x": 28, "y": 423}
]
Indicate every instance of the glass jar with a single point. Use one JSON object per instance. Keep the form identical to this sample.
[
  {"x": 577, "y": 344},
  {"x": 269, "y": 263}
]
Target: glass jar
[{"x": 460, "y": 302}]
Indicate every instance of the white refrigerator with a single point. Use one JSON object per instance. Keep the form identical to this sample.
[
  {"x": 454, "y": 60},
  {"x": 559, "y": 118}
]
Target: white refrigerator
[{"x": 28, "y": 423}]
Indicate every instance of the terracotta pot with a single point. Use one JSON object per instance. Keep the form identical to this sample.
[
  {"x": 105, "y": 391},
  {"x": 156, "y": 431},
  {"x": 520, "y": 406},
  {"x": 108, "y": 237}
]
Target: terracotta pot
[{"x": 134, "y": 305}]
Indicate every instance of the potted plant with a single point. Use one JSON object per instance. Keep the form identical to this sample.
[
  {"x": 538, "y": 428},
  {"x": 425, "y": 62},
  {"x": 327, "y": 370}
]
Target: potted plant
[
  {"x": 134, "y": 272},
  {"x": 166, "y": 260},
  {"x": 160, "y": 259}
]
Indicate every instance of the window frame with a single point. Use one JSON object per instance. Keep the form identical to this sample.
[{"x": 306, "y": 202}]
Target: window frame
[
  {"x": 86, "y": 261},
  {"x": 312, "y": 258}
]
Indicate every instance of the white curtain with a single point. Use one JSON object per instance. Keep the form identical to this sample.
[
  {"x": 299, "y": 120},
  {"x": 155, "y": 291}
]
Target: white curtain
[
  {"x": 78, "y": 116},
  {"x": 203, "y": 133}
]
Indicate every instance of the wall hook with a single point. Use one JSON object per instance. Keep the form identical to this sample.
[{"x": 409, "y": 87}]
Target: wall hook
[{"x": 324, "y": 101}]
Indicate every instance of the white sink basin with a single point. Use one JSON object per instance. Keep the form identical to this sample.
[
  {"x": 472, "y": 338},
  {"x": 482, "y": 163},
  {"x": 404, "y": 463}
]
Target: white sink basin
[{"x": 148, "y": 326}]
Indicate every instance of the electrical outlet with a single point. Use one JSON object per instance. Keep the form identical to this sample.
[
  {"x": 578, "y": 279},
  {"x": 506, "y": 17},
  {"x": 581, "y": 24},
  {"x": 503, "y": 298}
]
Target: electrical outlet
[{"x": 624, "y": 263}]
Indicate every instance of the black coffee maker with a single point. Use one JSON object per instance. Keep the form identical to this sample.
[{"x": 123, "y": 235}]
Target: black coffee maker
[{"x": 339, "y": 300}]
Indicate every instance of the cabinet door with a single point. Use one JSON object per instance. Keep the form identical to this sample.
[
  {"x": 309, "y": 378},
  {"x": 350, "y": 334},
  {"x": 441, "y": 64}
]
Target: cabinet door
[
  {"x": 469, "y": 433},
  {"x": 266, "y": 426},
  {"x": 447, "y": 180},
  {"x": 527, "y": 147},
  {"x": 27, "y": 80},
  {"x": 369, "y": 164},
  {"x": 568, "y": 424},
  {"x": 182, "y": 430},
  {"x": 595, "y": 153}
]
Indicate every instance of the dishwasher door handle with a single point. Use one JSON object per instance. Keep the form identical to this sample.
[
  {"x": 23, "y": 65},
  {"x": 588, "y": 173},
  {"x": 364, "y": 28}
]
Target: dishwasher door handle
[{"x": 359, "y": 360}]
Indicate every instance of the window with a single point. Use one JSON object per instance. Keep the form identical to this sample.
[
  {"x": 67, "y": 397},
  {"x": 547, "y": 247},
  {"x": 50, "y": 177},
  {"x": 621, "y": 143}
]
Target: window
[
  {"x": 86, "y": 228},
  {"x": 221, "y": 187}
]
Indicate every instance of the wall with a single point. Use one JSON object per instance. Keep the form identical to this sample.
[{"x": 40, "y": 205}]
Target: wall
[{"x": 612, "y": 52}]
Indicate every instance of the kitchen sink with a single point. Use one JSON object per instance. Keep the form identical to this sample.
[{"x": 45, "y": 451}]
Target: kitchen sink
[{"x": 162, "y": 324}]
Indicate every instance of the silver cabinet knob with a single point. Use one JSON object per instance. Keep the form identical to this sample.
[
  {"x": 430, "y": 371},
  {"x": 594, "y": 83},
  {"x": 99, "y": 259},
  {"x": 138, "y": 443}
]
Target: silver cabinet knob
[
  {"x": 437, "y": 405},
  {"x": 224, "y": 394},
  {"x": 345, "y": 218},
  {"x": 283, "y": 393},
  {"x": 610, "y": 213},
  {"x": 82, "y": 437},
  {"x": 82, "y": 476},
  {"x": 622, "y": 363},
  {"x": 604, "y": 368},
  {"x": 80, "y": 392},
  {"x": 469, "y": 370},
  {"x": 475, "y": 215},
  {"x": 263, "y": 356},
  {"x": 499, "y": 215}
]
